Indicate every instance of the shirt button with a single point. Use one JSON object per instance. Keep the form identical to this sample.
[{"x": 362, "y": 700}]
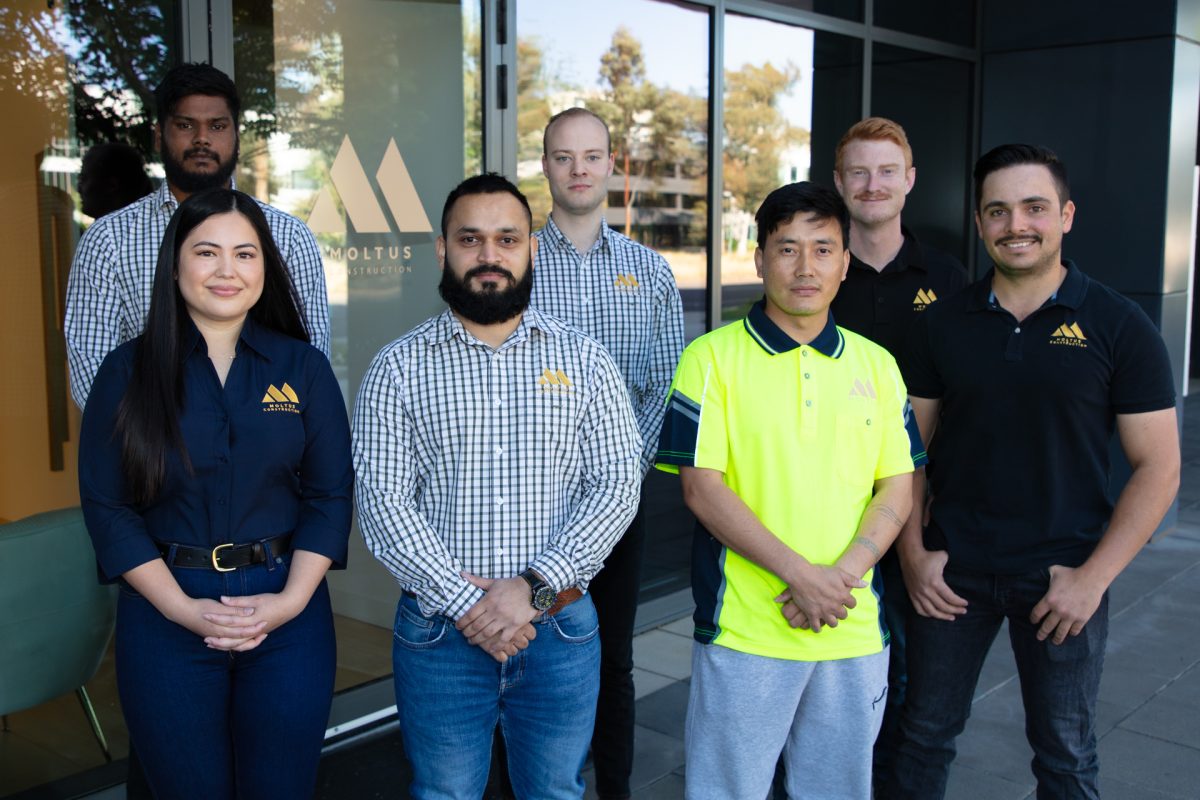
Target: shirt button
[
  {"x": 499, "y": 551},
  {"x": 499, "y": 450},
  {"x": 804, "y": 352},
  {"x": 881, "y": 300},
  {"x": 808, "y": 403},
  {"x": 806, "y": 375},
  {"x": 499, "y": 403},
  {"x": 499, "y": 501},
  {"x": 1017, "y": 329}
]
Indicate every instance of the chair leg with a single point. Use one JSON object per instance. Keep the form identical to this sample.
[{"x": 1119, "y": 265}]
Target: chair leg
[
  {"x": 4, "y": 723},
  {"x": 86, "y": 702}
]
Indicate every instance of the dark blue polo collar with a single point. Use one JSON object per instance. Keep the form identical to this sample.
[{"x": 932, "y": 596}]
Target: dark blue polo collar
[
  {"x": 770, "y": 337},
  {"x": 1070, "y": 293}
]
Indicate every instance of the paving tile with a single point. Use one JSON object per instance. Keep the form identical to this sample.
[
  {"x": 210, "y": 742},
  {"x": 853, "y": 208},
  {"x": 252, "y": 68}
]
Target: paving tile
[
  {"x": 657, "y": 757},
  {"x": 683, "y": 626},
  {"x": 966, "y": 783},
  {"x": 1113, "y": 789},
  {"x": 665, "y": 710},
  {"x": 1169, "y": 716},
  {"x": 647, "y": 683},
  {"x": 994, "y": 739},
  {"x": 668, "y": 787},
  {"x": 663, "y": 653},
  {"x": 1142, "y": 761}
]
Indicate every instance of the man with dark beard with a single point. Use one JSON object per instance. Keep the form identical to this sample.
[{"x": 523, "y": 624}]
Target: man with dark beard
[
  {"x": 108, "y": 292},
  {"x": 497, "y": 462}
]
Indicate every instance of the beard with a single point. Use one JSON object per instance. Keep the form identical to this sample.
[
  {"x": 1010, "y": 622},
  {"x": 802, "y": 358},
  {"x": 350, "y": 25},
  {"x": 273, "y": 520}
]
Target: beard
[
  {"x": 183, "y": 179},
  {"x": 490, "y": 306}
]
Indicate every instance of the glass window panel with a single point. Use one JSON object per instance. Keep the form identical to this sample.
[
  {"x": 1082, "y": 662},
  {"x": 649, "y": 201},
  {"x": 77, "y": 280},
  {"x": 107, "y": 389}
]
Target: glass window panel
[
  {"x": 75, "y": 75},
  {"x": 930, "y": 96},
  {"x": 937, "y": 19},
  {"x": 789, "y": 93},
  {"x": 658, "y": 117},
  {"x": 359, "y": 117},
  {"x": 845, "y": 9}
]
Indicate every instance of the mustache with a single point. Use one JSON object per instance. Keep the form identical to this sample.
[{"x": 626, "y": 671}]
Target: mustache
[
  {"x": 482, "y": 268},
  {"x": 200, "y": 151},
  {"x": 872, "y": 196}
]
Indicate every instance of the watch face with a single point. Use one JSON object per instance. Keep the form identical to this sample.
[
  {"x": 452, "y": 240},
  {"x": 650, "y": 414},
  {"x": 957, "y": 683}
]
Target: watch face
[{"x": 543, "y": 598}]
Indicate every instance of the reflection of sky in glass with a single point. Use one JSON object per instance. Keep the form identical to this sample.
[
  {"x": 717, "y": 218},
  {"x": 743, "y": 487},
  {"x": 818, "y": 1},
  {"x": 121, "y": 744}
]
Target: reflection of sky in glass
[{"x": 573, "y": 34}]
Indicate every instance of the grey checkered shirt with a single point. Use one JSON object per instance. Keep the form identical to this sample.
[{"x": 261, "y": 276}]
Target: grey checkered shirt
[
  {"x": 492, "y": 461},
  {"x": 623, "y": 295},
  {"x": 108, "y": 291}
]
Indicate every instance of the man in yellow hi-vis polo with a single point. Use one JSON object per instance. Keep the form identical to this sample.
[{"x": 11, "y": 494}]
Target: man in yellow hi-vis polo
[{"x": 790, "y": 440}]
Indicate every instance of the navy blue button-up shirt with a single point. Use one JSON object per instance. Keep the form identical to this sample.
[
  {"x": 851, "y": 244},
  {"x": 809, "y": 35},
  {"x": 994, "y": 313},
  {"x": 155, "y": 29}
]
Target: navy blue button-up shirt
[{"x": 270, "y": 455}]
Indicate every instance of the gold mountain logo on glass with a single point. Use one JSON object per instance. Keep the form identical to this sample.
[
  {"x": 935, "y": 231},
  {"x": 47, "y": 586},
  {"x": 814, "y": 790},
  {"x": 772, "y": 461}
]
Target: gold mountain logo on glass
[
  {"x": 555, "y": 380},
  {"x": 283, "y": 399},
  {"x": 349, "y": 179},
  {"x": 924, "y": 298},
  {"x": 1071, "y": 335}
]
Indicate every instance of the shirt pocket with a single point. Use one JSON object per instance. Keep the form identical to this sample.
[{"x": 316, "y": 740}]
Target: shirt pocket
[{"x": 857, "y": 441}]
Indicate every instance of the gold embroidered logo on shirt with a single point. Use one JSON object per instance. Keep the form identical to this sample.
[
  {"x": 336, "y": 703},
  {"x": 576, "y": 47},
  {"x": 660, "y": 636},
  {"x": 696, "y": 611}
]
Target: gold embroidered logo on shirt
[
  {"x": 626, "y": 282},
  {"x": 555, "y": 381},
  {"x": 284, "y": 399},
  {"x": 924, "y": 298},
  {"x": 1071, "y": 335},
  {"x": 862, "y": 389}
]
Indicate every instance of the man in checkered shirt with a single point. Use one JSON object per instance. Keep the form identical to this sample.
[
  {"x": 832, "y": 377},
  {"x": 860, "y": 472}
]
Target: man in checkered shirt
[
  {"x": 108, "y": 291},
  {"x": 497, "y": 462},
  {"x": 623, "y": 295}
]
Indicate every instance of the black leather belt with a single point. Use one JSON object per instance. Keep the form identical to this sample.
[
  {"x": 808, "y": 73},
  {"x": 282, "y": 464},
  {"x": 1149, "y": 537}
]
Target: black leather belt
[{"x": 225, "y": 557}]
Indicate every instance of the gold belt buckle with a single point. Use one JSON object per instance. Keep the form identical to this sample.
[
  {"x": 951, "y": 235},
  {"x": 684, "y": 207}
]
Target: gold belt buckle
[{"x": 217, "y": 566}]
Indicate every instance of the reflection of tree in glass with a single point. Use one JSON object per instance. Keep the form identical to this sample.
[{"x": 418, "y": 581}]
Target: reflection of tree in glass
[
  {"x": 757, "y": 133},
  {"x": 535, "y": 82},
  {"x": 115, "y": 53},
  {"x": 623, "y": 69}
]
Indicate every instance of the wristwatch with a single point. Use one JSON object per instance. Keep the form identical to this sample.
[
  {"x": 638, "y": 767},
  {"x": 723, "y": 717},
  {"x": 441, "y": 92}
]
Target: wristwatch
[{"x": 542, "y": 596}]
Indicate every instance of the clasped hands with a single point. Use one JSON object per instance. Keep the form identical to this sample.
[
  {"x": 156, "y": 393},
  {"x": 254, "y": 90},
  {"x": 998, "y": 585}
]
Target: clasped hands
[
  {"x": 237, "y": 624},
  {"x": 820, "y": 596},
  {"x": 500, "y": 623}
]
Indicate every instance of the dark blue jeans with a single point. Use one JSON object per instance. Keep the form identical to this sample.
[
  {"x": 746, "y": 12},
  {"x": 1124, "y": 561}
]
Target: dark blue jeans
[
  {"x": 1059, "y": 686},
  {"x": 214, "y": 725}
]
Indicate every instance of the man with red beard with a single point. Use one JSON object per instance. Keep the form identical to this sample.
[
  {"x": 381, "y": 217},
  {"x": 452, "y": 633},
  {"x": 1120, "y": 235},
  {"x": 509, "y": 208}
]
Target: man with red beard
[
  {"x": 497, "y": 461},
  {"x": 892, "y": 279},
  {"x": 108, "y": 291}
]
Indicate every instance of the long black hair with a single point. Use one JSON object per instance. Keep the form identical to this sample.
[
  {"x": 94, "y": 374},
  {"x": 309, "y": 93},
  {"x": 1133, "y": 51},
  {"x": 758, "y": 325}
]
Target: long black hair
[{"x": 147, "y": 421}]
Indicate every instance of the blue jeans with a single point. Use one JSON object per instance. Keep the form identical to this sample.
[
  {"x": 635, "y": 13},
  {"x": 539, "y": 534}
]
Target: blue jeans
[
  {"x": 1059, "y": 687},
  {"x": 211, "y": 724},
  {"x": 450, "y": 694}
]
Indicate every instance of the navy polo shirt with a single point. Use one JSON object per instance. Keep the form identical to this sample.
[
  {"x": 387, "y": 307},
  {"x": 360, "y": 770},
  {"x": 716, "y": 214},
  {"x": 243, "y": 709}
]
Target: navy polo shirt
[
  {"x": 270, "y": 454},
  {"x": 883, "y": 305},
  {"x": 1020, "y": 464}
]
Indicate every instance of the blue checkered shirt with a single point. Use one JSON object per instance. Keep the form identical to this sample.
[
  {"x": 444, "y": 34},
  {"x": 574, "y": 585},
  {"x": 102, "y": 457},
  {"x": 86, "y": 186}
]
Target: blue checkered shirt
[
  {"x": 623, "y": 295},
  {"x": 108, "y": 291},
  {"x": 492, "y": 461}
]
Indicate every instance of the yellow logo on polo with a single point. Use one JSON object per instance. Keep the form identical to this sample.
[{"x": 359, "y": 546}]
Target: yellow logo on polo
[
  {"x": 862, "y": 389},
  {"x": 626, "y": 282},
  {"x": 555, "y": 381},
  {"x": 925, "y": 297},
  {"x": 284, "y": 399},
  {"x": 1071, "y": 335}
]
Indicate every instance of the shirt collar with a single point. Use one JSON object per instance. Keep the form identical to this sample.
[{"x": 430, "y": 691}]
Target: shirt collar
[
  {"x": 559, "y": 241},
  {"x": 164, "y": 200},
  {"x": 910, "y": 255},
  {"x": 1069, "y": 294},
  {"x": 253, "y": 336},
  {"x": 447, "y": 327},
  {"x": 770, "y": 337}
]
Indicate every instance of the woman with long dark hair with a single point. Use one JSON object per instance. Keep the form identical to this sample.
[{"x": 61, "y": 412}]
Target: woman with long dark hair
[{"x": 215, "y": 478}]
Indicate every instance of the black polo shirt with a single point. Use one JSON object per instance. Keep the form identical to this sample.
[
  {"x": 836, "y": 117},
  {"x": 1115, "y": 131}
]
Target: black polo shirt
[
  {"x": 883, "y": 305},
  {"x": 1020, "y": 455}
]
